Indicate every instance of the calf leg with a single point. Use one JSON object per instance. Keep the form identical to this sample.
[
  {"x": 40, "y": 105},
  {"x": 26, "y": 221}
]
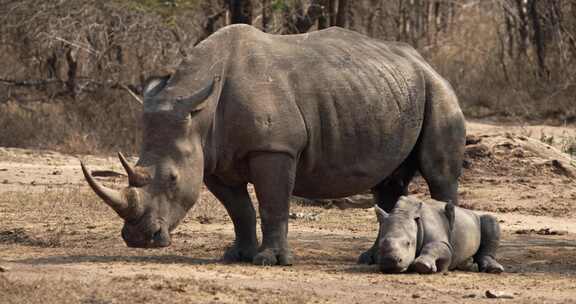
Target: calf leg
[
  {"x": 273, "y": 177},
  {"x": 240, "y": 209},
  {"x": 435, "y": 257},
  {"x": 489, "y": 242}
]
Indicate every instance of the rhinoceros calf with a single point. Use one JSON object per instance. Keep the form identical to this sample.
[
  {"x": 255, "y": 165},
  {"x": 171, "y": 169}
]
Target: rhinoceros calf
[
  {"x": 320, "y": 115},
  {"x": 435, "y": 237}
]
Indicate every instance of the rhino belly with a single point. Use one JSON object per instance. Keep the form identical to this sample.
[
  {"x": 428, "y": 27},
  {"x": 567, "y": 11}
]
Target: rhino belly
[{"x": 342, "y": 165}]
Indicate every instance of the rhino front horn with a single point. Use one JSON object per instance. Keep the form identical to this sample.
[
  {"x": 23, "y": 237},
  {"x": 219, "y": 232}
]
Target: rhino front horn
[
  {"x": 112, "y": 198},
  {"x": 135, "y": 178}
]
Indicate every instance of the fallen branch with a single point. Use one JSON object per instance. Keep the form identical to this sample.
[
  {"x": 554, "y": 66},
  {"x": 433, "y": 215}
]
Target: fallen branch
[
  {"x": 133, "y": 94},
  {"x": 81, "y": 85},
  {"x": 30, "y": 82},
  {"x": 75, "y": 44}
]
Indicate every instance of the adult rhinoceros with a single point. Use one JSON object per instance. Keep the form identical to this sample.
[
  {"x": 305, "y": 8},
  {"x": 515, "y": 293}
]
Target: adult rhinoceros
[{"x": 325, "y": 114}]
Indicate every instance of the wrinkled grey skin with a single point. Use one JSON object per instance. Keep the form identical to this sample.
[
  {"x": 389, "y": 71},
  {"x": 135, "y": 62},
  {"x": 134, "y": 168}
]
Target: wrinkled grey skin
[
  {"x": 326, "y": 114},
  {"x": 435, "y": 237}
]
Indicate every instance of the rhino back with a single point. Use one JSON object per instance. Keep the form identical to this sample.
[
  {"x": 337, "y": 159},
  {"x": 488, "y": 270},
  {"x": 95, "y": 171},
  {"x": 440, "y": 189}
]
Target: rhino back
[{"x": 349, "y": 107}]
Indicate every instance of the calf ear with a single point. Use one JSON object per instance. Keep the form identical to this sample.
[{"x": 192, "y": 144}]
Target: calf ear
[
  {"x": 450, "y": 215},
  {"x": 380, "y": 214}
]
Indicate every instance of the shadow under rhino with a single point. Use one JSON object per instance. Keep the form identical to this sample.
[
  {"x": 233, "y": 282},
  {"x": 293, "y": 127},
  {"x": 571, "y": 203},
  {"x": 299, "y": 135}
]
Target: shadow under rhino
[{"x": 74, "y": 259}]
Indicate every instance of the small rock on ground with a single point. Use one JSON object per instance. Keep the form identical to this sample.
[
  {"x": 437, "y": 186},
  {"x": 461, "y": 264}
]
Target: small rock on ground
[{"x": 498, "y": 295}]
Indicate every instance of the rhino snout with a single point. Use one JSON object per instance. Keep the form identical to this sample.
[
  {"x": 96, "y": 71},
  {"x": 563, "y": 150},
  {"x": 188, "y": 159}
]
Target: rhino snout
[
  {"x": 391, "y": 264},
  {"x": 160, "y": 238}
]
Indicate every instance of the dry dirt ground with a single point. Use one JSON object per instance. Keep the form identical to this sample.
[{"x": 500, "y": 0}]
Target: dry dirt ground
[{"x": 60, "y": 244}]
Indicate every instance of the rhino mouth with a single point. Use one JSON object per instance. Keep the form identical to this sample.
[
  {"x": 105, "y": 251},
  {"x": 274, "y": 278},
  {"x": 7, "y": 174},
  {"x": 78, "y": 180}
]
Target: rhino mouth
[
  {"x": 391, "y": 265},
  {"x": 160, "y": 238},
  {"x": 392, "y": 269}
]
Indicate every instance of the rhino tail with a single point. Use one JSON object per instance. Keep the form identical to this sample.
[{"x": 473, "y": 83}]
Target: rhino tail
[{"x": 489, "y": 242}]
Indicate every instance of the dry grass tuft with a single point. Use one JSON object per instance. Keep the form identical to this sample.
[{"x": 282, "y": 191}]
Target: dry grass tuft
[{"x": 66, "y": 217}]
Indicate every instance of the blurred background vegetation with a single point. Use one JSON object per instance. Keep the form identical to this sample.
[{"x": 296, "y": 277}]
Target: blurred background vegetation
[{"x": 66, "y": 66}]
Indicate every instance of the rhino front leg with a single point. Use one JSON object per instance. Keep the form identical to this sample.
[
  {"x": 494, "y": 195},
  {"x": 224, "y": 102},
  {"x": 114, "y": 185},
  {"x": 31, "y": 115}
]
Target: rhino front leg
[
  {"x": 435, "y": 257},
  {"x": 240, "y": 209},
  {"x": 489, "y": 242},
  {"x": 442, "y": 141},
  {"x": 273, "y": 177}
]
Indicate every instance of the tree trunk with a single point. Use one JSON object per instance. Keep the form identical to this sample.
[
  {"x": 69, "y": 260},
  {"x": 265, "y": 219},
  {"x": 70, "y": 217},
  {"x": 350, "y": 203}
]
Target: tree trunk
[
  {"x": 341, "y": 14},
  {"x": 522, "y": 27},
  {"x": 266, "y": 13},
  {"x": 240, "y": 11},
  {"x": 299, "y": 22},
  {"x": 539, "y": 42},
  {"x": 324, "y": 19},
  {"x": 332, "y": 11}
]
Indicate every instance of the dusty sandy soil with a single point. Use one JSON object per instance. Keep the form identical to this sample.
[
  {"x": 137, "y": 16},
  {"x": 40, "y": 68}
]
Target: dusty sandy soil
[{"x": 59, "y": 244}]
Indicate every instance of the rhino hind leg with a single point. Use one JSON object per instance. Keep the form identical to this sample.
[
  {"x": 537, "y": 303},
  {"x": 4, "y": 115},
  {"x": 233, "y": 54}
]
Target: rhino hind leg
[
  {"x": 442, "y": 140},
  {"x": 489, "y": 242},
  {"x": 386, "y": 194}
]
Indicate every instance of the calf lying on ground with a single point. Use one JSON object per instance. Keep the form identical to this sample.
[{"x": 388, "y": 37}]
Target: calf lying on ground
[{"x": 435, "y": 237}]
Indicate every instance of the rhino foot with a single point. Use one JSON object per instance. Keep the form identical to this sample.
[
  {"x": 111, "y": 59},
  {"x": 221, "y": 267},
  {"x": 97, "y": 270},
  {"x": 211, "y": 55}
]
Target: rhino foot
[
  {"x": 424, "y": 266},
  {"x": 235, "y": 254},
  {"x": 368, "y": 257},
  {"x": 270, "y": 257},
  {"x": 489, "y": 265}
]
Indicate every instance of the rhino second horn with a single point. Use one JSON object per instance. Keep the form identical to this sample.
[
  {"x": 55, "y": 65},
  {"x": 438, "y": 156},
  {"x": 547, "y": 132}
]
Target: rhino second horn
[
  {"x": 111, "y": 197},
  {"x": 135, "y": 179}
]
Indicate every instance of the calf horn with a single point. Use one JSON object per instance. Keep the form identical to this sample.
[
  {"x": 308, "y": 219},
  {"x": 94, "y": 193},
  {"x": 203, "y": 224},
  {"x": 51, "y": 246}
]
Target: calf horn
[
  {"x": 111, "y": 197},
  {"x": 135, "y": 179}
]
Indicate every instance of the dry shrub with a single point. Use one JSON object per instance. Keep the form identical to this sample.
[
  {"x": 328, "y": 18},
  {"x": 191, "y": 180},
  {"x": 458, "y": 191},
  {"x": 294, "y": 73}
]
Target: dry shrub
[
  {"x": 52, "y": 216},
  {"x": 471, "y": 47},
  {"x": 65, "y": 67},
  {"x": 72, "y": 127},
  {"x": 490, "y": 83},
  {"x": 43, "y": 126}
]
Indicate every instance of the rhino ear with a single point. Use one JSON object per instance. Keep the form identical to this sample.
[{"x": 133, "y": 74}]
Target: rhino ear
[
  {"x": 211, "y": 91},
  {"x": 153, "y": 85},
  {"x": 199, "y": 99},
  {"x": 380, "y": 214}
]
